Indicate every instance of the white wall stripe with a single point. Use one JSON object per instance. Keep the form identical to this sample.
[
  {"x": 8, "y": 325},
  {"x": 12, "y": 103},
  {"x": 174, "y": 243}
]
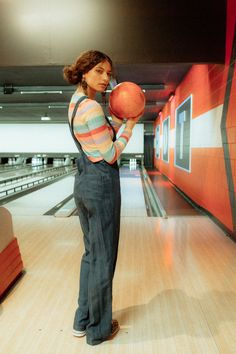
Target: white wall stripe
[{"x": 205, "y": 130}]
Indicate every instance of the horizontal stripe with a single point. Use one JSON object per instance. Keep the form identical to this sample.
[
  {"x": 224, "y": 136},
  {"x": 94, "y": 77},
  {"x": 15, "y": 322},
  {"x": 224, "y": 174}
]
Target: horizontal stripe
[
  {"x": 205, "y": 130},
  {"x": 94, "y": 133},
  {"x": 91, "y": 132}
]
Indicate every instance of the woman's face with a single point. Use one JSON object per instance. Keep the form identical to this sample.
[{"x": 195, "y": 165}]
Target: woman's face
[{"x": 98, "y": 77}]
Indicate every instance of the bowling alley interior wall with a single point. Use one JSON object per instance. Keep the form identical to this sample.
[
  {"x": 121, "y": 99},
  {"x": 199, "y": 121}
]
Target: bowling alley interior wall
[
  {"x": 195, "y": 135},
  {"x": 51, "y": 138}
]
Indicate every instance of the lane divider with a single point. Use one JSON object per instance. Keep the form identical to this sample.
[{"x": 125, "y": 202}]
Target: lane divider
[{"x": 153, "y": 203}]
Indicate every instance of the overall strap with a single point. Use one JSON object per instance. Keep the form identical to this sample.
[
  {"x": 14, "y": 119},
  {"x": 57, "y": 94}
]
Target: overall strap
[
  {"x": 114, "y": 132},
  {"x": 72, "y": 122},
  {"x": 73, "y": 134}
]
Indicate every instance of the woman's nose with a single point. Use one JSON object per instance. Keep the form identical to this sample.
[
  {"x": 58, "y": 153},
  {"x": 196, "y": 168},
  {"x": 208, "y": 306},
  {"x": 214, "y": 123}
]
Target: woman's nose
[{"x": 106, "y": 77}]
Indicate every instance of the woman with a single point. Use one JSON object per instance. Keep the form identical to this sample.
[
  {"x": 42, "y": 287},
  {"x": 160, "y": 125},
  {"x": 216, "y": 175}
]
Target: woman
[{"x": 96, "y": 193}]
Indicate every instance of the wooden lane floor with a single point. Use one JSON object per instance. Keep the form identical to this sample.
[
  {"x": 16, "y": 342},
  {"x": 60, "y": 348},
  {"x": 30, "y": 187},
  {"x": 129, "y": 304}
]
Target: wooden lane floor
[
  {"x": 174, "y": 288},
  {"x": 40, "y": 201}
]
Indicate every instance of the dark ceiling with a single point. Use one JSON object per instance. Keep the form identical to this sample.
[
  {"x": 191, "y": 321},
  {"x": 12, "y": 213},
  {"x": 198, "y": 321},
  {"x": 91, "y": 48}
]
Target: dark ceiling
[
  {"x": 152, "y": 43},
  {"x": 33, "y": 91}
]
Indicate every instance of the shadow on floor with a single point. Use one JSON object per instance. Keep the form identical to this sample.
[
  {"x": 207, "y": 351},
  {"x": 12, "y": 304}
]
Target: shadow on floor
[{"x": 174, "y": 313}]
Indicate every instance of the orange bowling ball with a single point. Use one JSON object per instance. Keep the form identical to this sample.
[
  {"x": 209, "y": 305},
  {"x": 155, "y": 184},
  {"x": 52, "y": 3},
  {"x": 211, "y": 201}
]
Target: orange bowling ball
[{"x": 127, "y": 100}]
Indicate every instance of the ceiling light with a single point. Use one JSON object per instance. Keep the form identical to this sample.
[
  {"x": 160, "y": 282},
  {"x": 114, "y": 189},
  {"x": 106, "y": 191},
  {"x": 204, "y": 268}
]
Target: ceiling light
[
  {"x": 39, "y": 92},
  {"x": 58, "y": 107},
  {"x": 45, "y": 117}
]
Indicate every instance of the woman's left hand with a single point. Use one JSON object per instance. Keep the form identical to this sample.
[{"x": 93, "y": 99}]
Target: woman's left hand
[{"x": 116, "y": 119}]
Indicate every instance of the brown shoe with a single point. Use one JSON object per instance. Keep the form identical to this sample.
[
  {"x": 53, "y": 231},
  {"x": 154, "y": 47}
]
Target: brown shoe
[{"x": 114, "y": 329}]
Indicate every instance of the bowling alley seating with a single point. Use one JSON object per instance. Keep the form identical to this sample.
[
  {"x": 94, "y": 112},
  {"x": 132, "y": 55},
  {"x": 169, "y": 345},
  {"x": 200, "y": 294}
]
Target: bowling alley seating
[{"x": 11, "y": 265}]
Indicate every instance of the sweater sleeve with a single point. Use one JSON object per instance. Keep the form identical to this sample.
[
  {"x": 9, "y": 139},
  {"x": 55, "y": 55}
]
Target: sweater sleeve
[
  {"x": 99, "y": 131},
  {"x": 116, "y": 123}
]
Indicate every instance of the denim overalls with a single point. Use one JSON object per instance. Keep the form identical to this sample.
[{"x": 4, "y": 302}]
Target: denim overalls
[{"x": 98, "y": 200}]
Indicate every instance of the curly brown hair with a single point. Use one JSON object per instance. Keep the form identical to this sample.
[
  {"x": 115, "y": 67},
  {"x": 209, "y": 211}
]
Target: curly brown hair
[{"x": 86, "y": 61}]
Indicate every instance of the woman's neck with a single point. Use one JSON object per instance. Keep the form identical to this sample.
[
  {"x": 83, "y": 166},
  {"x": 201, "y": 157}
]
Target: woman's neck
[{"x": 88, "y": 92}]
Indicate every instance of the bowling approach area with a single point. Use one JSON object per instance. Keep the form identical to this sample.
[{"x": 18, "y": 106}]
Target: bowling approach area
[{"x": 174, "y": 286}]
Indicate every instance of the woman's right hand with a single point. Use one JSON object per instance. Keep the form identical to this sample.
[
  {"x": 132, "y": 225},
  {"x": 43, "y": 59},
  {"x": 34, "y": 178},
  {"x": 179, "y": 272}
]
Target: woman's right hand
[{"x": 130, "y": 123}]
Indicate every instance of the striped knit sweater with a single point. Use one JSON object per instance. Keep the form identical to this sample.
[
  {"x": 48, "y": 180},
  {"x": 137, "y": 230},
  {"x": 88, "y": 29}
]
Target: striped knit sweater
[{"x": 94, "y": 133}]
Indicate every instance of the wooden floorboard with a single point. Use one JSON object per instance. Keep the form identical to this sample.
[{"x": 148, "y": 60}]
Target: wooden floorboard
[{"x": 174, "y": 288}]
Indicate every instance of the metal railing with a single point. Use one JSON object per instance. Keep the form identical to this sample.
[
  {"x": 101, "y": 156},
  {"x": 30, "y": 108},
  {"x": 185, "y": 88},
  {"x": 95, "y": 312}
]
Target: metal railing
[
  {"x": 31, "y": 184},
  {"x": 29, "y": 175}
]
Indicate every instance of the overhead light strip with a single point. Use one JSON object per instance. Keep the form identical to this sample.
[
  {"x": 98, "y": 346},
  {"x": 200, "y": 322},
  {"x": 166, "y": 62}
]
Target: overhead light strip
[
  {"x": 28, "y": 105},
  {"x": 24, "y": 90},
  {"x": 45, "y": 117},
  {"x": 31, "y": 90},
  {"x": 58, "y": 107},
  {"x": 39, "y": 92}
]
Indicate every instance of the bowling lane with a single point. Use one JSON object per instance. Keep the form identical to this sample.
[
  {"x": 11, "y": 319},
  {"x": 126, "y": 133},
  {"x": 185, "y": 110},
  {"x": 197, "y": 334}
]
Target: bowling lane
[
  {"x": 133, "y": 202},
  {"x": 9, "y": 188},
  {"x": 44, "y": 199},
  {"x": 40, "y": 201},
  {"x": 9, "y": 168},
  {"x": 19, "y": 171}
]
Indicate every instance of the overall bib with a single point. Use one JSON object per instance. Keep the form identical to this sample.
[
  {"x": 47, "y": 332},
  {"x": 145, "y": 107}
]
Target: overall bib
[{"x": 98, "y": 200}]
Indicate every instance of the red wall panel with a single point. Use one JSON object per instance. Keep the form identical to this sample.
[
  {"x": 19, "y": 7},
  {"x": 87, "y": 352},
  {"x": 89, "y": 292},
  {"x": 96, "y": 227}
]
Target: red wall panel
[
  {"x": 207, "y": 182},
  {"x": 211, "y": 179},
  {"x": 11, "y": 265}
]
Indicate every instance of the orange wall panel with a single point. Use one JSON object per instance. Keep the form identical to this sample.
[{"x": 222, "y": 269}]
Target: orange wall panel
[
  {"x": 11, "y": 265},
  {"x": 211, "y": 179}
]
